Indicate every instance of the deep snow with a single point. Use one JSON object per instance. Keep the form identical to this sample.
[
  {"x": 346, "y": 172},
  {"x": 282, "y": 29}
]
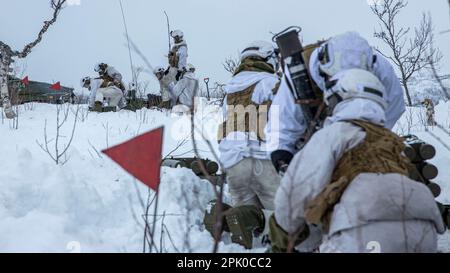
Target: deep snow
[{"x": 91, "y": 205}]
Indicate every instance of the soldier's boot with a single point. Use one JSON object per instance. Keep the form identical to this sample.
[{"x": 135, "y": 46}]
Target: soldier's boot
[
  {"x": 98, "y": 107},
  {"x": 244, "y": 223},
  {"x": 280, "y": 240},
  {"x": 7, "y": 108},
  {"x": 210, "y": 219}
]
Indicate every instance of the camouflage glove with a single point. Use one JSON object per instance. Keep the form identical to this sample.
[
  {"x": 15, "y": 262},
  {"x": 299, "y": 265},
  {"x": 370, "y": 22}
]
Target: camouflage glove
[
  {"x": 281, "y": 160},
  {"x": 279, "y": 238}
]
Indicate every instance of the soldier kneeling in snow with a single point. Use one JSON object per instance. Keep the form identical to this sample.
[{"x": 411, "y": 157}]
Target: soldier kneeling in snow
[
  {"x": 352, "y": 180},
  {"x": 252, "y": 180},
  {"x": 100, "y": 97},
  {"x": 164, "y": 79}
]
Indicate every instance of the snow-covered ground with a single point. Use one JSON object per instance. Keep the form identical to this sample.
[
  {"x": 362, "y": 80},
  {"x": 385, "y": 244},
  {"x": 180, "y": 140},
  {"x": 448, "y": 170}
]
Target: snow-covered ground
[
  {"x": 90, "y": 204},
  {"x": 414, "y": 122}
]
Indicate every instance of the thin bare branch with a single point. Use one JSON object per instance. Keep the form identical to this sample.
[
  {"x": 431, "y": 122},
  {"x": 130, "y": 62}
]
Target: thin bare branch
[
  {"x": 409, "y": 51},
  {"x": 231, "y": 64},
  {"x": 57, "y": 6}
]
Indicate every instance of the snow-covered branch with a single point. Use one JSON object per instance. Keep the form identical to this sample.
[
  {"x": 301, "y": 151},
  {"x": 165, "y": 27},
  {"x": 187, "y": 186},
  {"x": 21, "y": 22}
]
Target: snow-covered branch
[{"x": 57, "y": 6}]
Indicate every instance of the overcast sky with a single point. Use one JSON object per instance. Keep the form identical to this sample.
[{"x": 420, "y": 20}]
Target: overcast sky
[{"x": 214, "y": 29}]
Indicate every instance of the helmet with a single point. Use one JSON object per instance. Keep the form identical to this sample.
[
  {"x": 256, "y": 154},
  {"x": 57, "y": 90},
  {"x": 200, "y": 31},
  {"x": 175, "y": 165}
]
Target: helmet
[
  {"x": 100, "y": 66},
  {"x": 190, "y": 67},
  {"x": 85, "y": 81},
  {"x": 355, "y": 83},
  {"x": 177, "y": 34},
  {"x": 260, "y": 49},
  {"x": 159, "y": 69},
  {"x": 346, "y": 51}
]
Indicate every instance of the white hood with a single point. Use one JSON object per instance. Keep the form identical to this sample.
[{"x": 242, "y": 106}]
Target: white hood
[
  {"x": 361, "y": 109},
  {"x": 246, "y": 79},
  {"x": 347, "y": 51}
]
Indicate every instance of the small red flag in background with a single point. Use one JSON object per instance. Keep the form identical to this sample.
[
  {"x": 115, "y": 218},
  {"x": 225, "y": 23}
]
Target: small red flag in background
[
  {"x": 25, "y": 80},
  {"x": 141, "y": 157},
  {"x": 56, "y": 86}
]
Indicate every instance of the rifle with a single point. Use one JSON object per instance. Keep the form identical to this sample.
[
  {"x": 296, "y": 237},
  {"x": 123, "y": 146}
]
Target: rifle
[
  {"x": 301, "y": 85},
  {"x": 418, "y": 151},
  {"x": 192, "y": 163}
]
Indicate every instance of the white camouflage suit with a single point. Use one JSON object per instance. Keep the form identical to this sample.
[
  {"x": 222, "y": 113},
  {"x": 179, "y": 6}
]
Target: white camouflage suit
[
  {"x": 114, "y": 73},
  {"x": 182, "y": 54},
  {"x": 184, "y": 91},
  {"x": 252, "y": 180},
  {"x": 288, "y": 123},
  {"x": 112, "y": 94},
  {"x": 164, "y": 83},
  {"x": 377, "y": 212}
]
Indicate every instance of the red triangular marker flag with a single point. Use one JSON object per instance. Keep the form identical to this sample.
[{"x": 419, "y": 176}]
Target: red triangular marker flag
[
  {"x": 25, "y": 80},
  {"x": 56, "y": 86},
  {"x": 141, "y": 157}
]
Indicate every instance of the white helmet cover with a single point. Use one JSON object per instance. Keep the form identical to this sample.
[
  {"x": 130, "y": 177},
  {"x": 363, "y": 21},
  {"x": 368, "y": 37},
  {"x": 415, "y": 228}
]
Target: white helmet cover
[
  {"x": 356, "y": 83},
  {"x": 158, "y": 69},
  {"x": 260, "y": 49},
  {"x": 84, "y": 81},
  {"x": 98, "y": 66},
  {"x": 177, "y": 33}
]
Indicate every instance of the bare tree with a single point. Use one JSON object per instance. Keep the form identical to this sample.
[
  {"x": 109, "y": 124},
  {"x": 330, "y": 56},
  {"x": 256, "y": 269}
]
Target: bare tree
[
  {"x": 409, "y": 52},
  {"x": 231, "y": 64},
  {"x": 58, "y": 153},
  {"x": 141, "y": 86},
  {"x": 437, "y": 77},
  {"x": 7, "y": 55},
  {"x": 150, "y": 220}
]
